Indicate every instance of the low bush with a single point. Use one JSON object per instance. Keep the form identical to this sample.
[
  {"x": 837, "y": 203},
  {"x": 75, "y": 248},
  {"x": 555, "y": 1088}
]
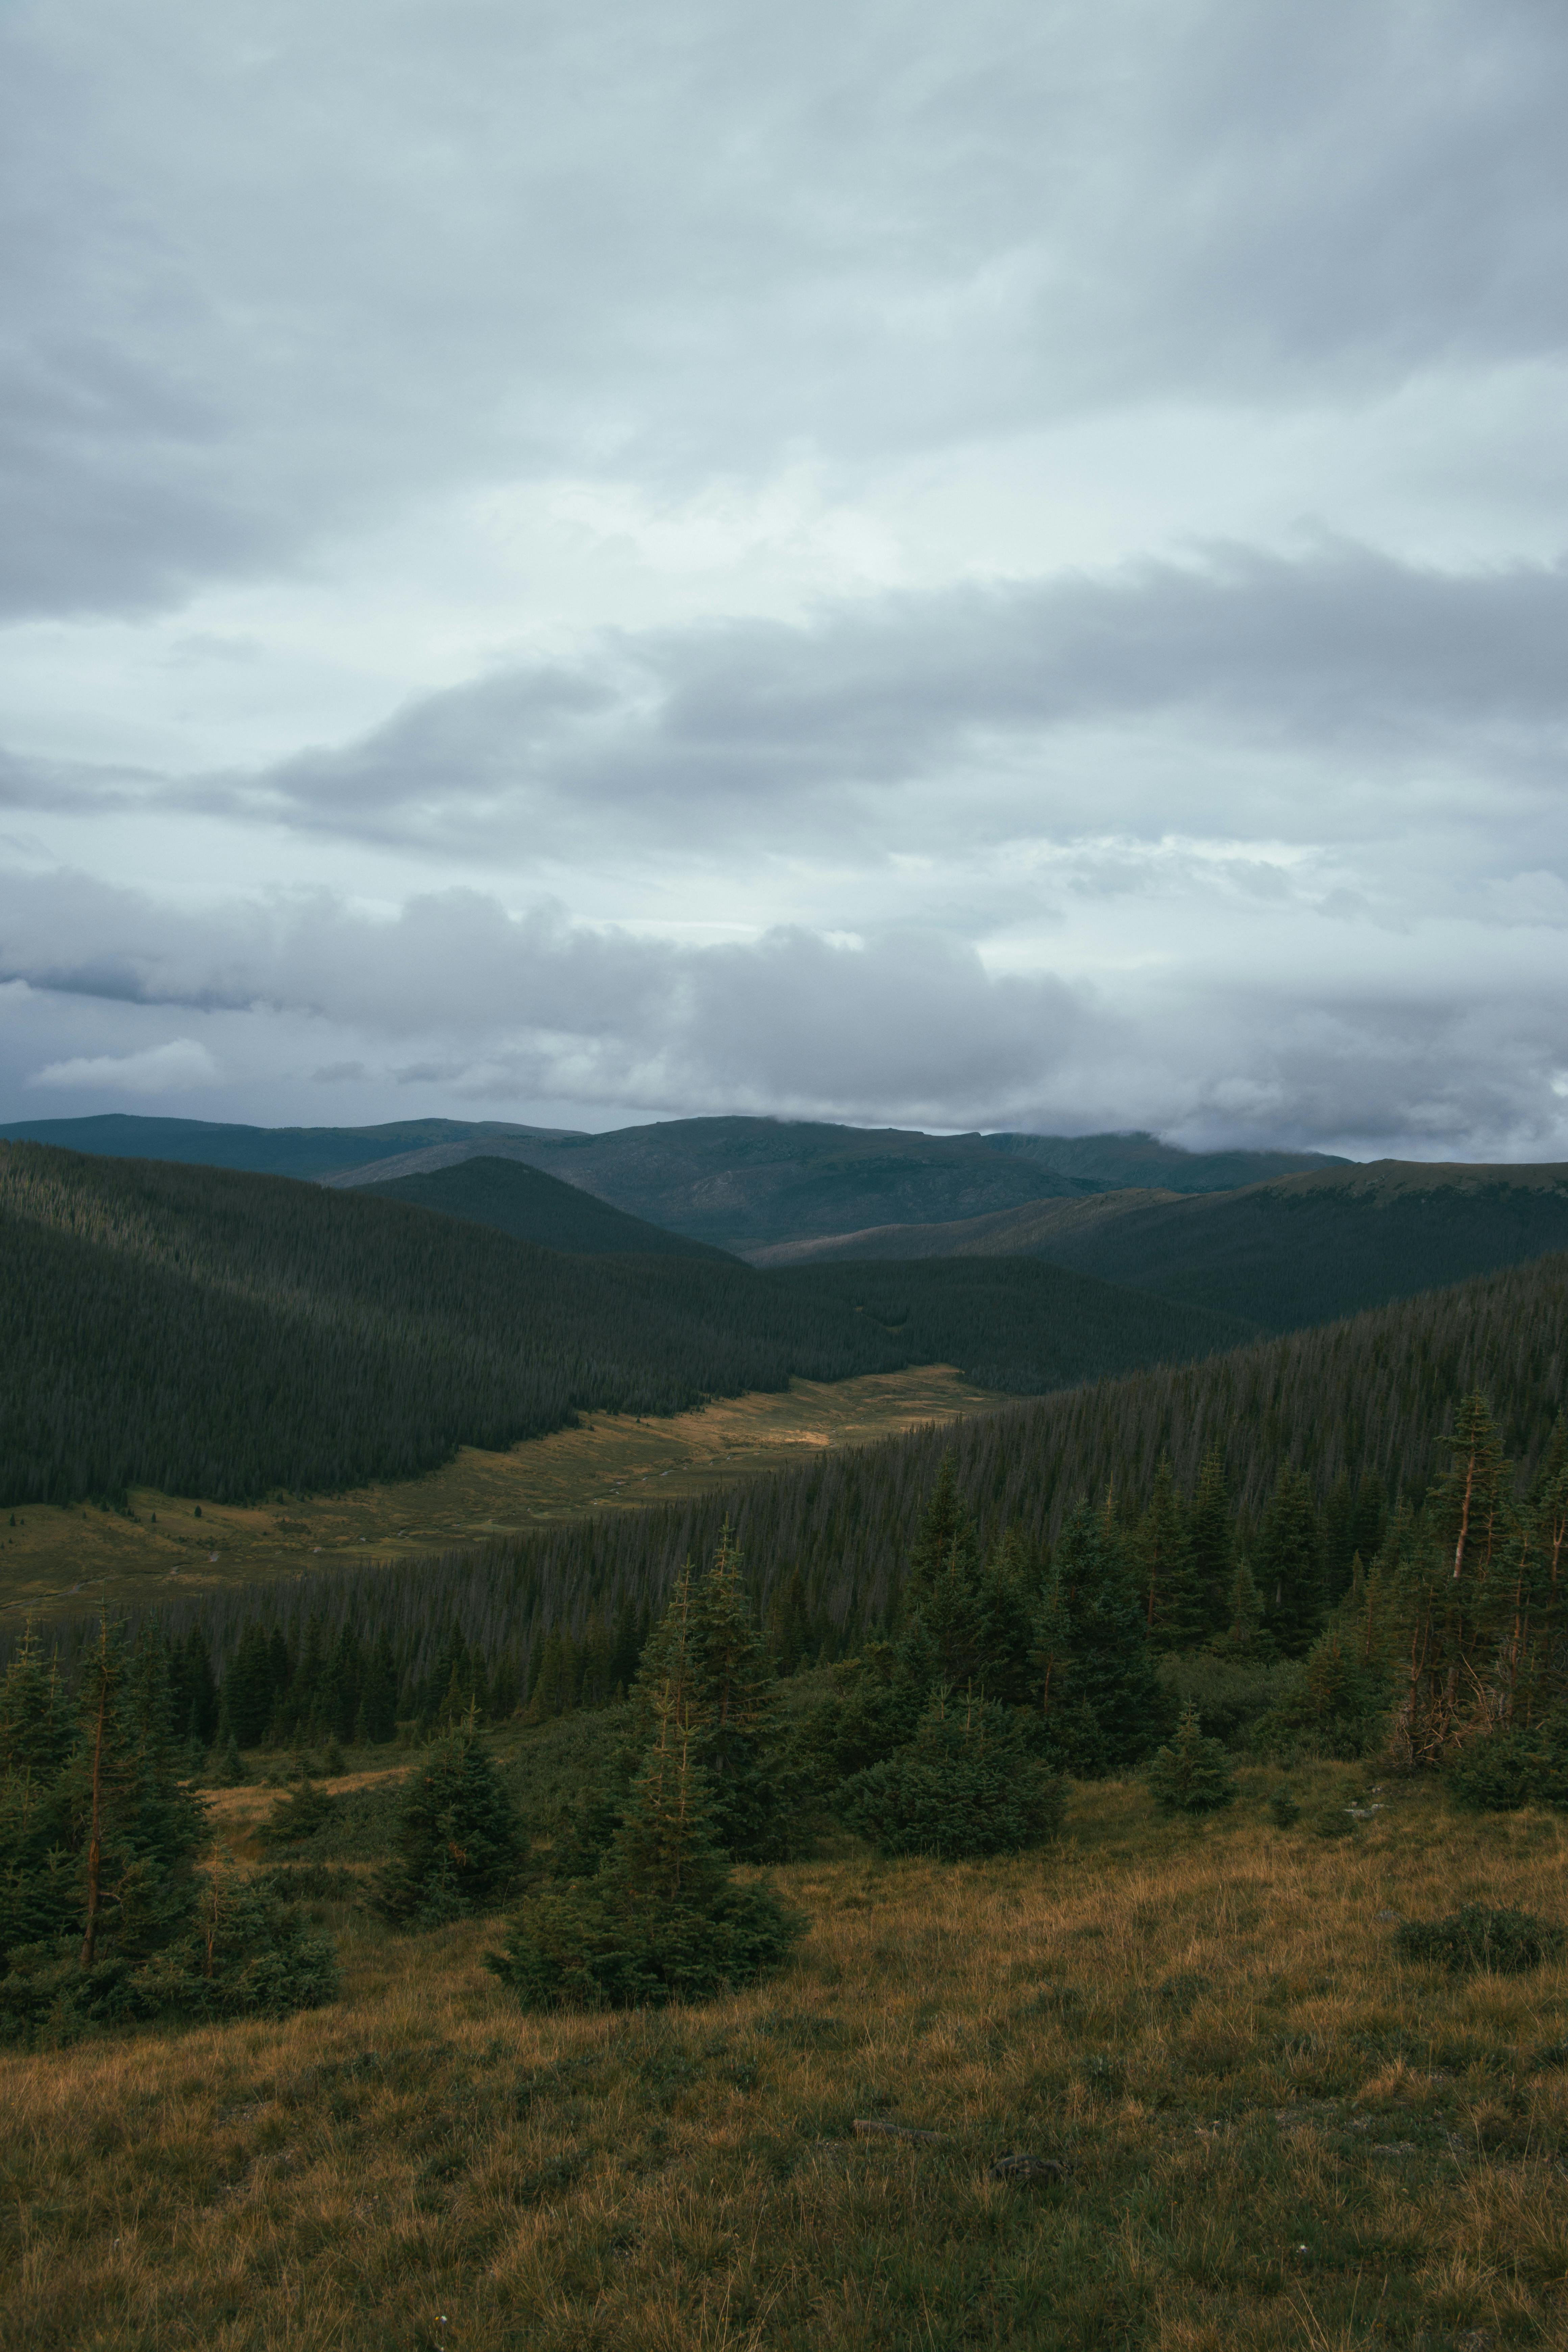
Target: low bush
[
  {"x": 965, "y": 1786},
  {"x": 1512, "y": 1768}
]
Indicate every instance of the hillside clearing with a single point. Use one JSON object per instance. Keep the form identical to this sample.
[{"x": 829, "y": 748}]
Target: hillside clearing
[{"x": 58, "y": 1561}]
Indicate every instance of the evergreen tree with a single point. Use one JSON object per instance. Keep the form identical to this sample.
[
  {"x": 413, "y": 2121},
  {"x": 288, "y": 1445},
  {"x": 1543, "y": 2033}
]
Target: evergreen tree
[
  {"x": 1174, "y": 1611},
  {"x": 1192, "y": 1774},
  {"x": 1244, "y": 1636},
  {"x": 1288, "y": 1567},
  {"x": 1211, "y": 1535},
  {"x": 457, "y": 1840},
  {"x": 1102, "y": 1702},
  {"x": 99, "y": 1891},
  {"x": 661, "y": 1919}
]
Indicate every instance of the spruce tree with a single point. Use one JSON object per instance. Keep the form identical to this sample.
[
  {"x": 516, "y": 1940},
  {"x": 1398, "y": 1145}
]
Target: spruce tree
[
  {"x": 1103, "y": 1704},
  {"x": 457, "y": 1840},
  {"x": 661, "y": 1919},
  {"x": 1211, "y": 1534},
  {"x": 1192, "y": 1774},
  {"x": 1287, "y": 1564},
  {"x": 1174, "y": 1611}
]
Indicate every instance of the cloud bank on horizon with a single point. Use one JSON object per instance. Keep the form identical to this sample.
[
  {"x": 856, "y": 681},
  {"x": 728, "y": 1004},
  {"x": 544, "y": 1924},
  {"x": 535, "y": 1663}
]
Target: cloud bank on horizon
[{"x": 584, "y": 564}]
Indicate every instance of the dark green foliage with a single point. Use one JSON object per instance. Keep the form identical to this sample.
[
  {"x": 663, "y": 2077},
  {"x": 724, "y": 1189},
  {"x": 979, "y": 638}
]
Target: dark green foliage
[
  {"x": 104, "y": 1915},
  {"x": 1175, "y": 1608},
  {"x": 1303, "y": 1249},
  {"x": 1287, "y": 1565},
  {"x": 1192, "y": 1774},
  {"x": 966, "y": 1785},
  {"x": 1102, "y": 1705},
  {"x": 661, "y": 1918},
  {"x": 1520, "y": 1765},
  {"x": 1283, "y": 1810},
  {"x": 1014, "y": 1323},
  {"x": 457, "y": 1839},
  {"x": 1475, "y": 1937},
  {"x": 1233, "y": 1694}
]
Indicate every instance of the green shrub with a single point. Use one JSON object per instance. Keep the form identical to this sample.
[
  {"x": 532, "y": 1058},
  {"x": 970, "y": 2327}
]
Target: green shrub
[
  {"x": 965, "y": 1786},
  {"x": 1283, "y": 1810},
  {"x": 1232, "y": 1695},
  {"x": 1512, "y": 1768},
  {"x": 1193, "y": 1775},
  {"x": 1476, "y": 1937}
]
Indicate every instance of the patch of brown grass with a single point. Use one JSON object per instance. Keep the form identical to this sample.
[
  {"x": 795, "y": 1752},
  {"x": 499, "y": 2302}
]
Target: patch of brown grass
[{"x": 1279, "y": 2136}]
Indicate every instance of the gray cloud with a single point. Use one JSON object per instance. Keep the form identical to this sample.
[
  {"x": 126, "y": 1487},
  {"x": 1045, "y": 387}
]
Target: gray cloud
[
  {"x": 746, "y": 729},
  {"x": 274, "y": 279}
]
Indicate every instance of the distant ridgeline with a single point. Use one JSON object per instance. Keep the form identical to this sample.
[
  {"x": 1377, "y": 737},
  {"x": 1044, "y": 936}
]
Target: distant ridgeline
[
  {"x": 1294, "y": 1456},
  {"x": 220, "y": 1334}
]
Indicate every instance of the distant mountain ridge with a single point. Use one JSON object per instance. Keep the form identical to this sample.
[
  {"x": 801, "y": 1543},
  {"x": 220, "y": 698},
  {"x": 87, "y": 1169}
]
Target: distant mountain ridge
[
  {"x": 741, "y": 1184},
  {"x": 1298, "y": 1250}
]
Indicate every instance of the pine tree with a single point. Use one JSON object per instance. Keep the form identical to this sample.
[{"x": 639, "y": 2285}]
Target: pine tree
[
  {"x": 1174, "y": 1611},
  {"x": 1288, "y": 1567},
  {"x": 457, "y": 1839},
  {"x": 1210, "y": 1533},
  {"x": 1103, "y": 1704},
  {"x": 661, "y": 1919},
  {"x": 1192, "y": 1774}
]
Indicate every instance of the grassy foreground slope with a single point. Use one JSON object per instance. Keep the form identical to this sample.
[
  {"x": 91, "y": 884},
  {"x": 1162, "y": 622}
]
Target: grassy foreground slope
[
  {"x": 216, "y": 1334},
  {"x": 1273, "y": 2136}
]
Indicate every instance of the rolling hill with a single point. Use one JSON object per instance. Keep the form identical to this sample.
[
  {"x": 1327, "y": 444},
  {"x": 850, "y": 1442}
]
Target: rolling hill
[
  {"x": 530, "y": 1206},
  {"x": 738, "y": 1184},
  {"x": 1300, "y": 1250}
]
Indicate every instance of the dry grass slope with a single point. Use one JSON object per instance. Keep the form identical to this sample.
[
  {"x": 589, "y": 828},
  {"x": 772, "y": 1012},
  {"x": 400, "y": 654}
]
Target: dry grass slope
[{"x": 1278, "y": 2135}]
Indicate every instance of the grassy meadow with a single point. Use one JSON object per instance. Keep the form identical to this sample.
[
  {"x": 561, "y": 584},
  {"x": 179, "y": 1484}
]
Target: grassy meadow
[
  {"x": 1270, "y": 2131},
  {"x": 57, "y": 1560}
]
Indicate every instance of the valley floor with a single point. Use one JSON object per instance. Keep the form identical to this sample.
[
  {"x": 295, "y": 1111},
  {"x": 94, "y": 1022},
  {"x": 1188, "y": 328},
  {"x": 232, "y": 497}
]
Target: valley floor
[
  {"x": 58, "y": 1561},
  {"x": 1274, "y": 2134}
]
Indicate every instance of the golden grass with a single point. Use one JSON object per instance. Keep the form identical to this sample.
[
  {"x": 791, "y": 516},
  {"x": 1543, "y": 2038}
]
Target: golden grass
[
  {"x": 1279, "y": 2136},
  {"x": 57, "y": 1561}
]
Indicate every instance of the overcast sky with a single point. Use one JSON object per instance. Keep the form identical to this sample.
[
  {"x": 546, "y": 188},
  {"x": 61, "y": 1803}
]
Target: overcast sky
[{"x": 985, "y": 567}]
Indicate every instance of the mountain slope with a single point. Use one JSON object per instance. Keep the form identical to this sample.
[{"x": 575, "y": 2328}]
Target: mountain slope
[
  {"x": 1031, "y": 1230},
  {"x": 530, "y": 1206},
  {"x": 211, "y": 1332},
  {"x": 738, "y": 1184},
  {"x": 1301, "y": 1250}
]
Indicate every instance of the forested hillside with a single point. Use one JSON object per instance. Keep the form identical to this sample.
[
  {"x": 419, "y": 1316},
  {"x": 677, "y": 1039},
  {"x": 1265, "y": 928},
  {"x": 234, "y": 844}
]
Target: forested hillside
[
  {"x": 530, "y": 1206},
  {"x": 1295, "y": 1251},
  {"x": 1300, "y": 1451},
  {"x": 218, "y": 1333}
]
